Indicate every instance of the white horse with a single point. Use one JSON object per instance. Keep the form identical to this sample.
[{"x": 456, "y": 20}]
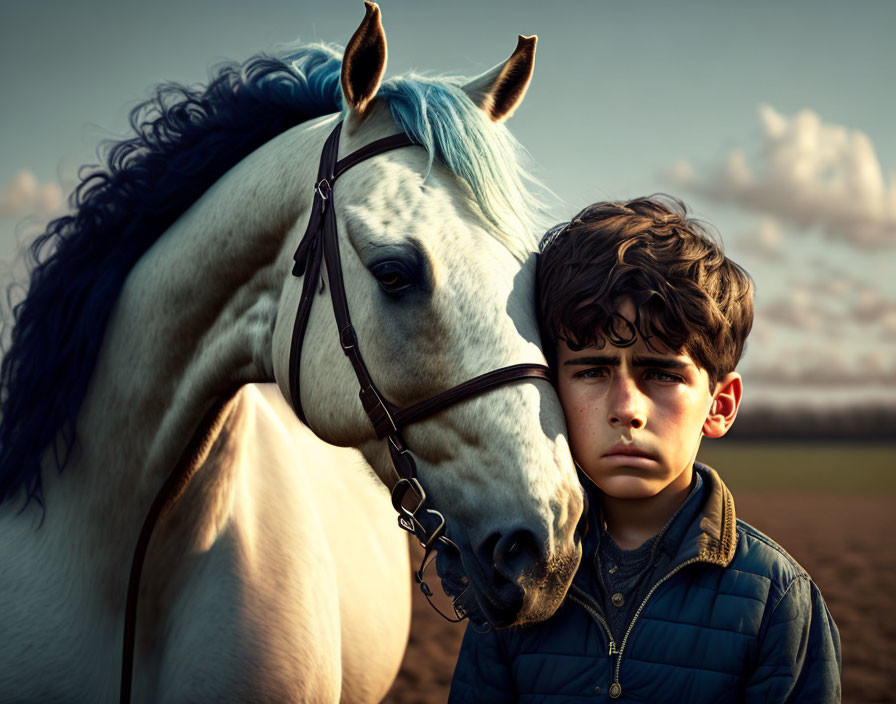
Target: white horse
[{"x": 280, "y": 574}]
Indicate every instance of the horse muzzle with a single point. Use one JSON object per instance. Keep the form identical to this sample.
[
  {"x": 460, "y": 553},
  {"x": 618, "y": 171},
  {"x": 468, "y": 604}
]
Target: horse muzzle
[{"x": 511, "y": 576}]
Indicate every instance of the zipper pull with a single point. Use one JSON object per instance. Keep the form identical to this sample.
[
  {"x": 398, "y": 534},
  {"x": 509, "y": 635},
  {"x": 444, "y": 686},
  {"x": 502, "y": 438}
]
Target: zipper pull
[{"x": 613, "y": 650}]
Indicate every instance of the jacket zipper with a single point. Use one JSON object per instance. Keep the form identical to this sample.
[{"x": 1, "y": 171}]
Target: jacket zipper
[
  {"x": 584, "y": 600},
  {"x": 638, "y": 614}
]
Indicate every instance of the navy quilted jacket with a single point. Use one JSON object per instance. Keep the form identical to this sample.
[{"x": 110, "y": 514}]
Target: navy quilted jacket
[{"x": 734, "y": 619}]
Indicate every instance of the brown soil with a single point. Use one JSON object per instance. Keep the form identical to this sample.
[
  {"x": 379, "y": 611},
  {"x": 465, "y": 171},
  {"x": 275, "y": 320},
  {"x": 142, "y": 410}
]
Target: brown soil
[{"x": 846, "y": 542}]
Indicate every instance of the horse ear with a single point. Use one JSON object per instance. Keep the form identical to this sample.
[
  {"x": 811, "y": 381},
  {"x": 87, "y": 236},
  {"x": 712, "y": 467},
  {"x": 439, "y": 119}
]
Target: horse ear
[
  {"x": 499, "y": 91},
  {"x": 364, "y": 61}
]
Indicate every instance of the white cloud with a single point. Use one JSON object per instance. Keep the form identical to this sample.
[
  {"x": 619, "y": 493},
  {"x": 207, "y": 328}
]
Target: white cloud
[
  {"x": 798, "y": 310},
  {"x": 681, "y": 173},
  {"x": 827, "y": 366},
  {"x": 888, "y": 326},
  {"x": 764, "y": 241},
  {"x": 833, "y": 307},
  {"x": 806, "y": 173},
  {"x": 25, "y": 195},
  {"x": 818, "y": 373}
]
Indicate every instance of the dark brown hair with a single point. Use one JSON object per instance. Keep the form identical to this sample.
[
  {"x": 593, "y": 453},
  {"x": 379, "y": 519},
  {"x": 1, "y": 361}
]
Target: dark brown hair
[{"x": 686, "y": 293}]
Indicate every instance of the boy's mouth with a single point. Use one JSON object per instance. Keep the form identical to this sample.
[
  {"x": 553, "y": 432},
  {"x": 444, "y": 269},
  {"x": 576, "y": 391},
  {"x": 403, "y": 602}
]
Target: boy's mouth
[{"x": 628, "y": 451}]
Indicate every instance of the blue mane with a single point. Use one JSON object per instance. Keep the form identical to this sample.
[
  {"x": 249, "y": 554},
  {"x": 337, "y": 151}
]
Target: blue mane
[{"x": 185, "y": 139}]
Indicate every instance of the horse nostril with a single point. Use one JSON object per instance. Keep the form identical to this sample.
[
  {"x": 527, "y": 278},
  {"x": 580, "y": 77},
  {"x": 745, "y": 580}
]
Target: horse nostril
[{"x": 516, "y": 554}]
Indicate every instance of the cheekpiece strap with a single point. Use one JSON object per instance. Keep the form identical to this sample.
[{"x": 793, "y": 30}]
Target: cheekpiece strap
[{"x": 310, "y": 252}]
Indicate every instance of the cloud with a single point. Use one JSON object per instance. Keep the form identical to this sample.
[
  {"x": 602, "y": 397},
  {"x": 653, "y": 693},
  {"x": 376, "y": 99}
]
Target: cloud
[
  {"x": 798, "y": 310},
  {"x": 765, "y": 241},
  {"x": 809, "y": 364},
  {"x": 832, "y": 308},
  {"x": 810, "y": 369},
  {"x": 807, "y": 173},
  {"x": 681, "y": 173},
  {"x": 25, "y": 195},
  {"x": 888, "y": 326}
]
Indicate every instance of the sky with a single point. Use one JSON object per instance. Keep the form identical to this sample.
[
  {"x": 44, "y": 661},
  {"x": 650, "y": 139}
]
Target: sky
[{"x": 773, "y": 121}]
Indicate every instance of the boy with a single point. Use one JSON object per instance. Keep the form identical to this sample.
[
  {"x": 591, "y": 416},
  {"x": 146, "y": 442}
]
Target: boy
[{"x": 644, "y": 320}]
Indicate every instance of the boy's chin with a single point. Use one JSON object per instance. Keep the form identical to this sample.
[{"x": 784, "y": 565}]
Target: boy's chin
[{"x": 622, "y": 486}]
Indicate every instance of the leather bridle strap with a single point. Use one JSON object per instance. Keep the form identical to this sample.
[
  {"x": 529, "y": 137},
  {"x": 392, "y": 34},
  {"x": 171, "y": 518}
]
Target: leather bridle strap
[
  {"x": 477, "y": 385},
  {"x": 193, "y": 455},
  {"x": 321, "y": 242}
]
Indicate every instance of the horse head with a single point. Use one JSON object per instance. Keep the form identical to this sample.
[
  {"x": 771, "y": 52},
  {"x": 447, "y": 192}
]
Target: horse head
[{"x": 439, "y": 265}]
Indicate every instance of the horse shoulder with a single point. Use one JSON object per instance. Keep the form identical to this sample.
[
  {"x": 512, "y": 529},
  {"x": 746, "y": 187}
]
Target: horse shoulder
[
  {"x": 235, "y": 602},
  {"x": 273, "y": 598},
  {"x": 371, "y": 551}
]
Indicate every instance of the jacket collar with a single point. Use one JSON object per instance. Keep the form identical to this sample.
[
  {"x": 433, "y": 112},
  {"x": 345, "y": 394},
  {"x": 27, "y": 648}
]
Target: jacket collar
[{"x": 712, "y": 535}]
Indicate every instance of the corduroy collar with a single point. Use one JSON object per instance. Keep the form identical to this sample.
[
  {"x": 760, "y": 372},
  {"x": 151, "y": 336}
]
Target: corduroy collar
[
  {"x": 712, "y": 536},
  {"x": 715, "y": 532}
]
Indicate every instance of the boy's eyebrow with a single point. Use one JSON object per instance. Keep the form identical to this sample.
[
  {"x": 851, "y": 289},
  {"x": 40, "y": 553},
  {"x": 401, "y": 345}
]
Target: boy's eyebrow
[
  {"x": 661, "y": 362},
  {"x": 592, "y": 362},
  {"x": 610, "y": 361}
]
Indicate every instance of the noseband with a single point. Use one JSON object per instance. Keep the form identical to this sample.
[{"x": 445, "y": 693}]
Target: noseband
[{"x": 320, "y": 243}]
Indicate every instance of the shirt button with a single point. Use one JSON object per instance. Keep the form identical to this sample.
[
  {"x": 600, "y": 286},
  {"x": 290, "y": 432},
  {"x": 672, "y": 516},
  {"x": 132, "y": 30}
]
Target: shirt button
[
  {"x": 615, "y": 690},
  {"x": 597, "y": 690},
  {"x": 618, "y": 599}
]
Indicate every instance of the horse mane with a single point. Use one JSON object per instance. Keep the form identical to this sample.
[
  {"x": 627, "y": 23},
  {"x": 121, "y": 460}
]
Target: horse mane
[{"x": 185, "y": 138}]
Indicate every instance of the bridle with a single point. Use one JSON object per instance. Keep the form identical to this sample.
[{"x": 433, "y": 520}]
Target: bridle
[{"x": 320, "y": 243}]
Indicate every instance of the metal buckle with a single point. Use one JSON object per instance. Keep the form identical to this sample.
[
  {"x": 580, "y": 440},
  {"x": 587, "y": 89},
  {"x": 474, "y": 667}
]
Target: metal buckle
[
  {"x": 401, "y": 488},
  {"x": 348, "y": 338},
  {"x": 323, "y": 189},
  {"x": 408, "y": 517},
  {"x": 426, "y": 537}
]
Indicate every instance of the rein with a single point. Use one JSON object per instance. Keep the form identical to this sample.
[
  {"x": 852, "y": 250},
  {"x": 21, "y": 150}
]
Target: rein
[
  {"x": 321, "y": 243},
  {"x": 192, "y": 457}
]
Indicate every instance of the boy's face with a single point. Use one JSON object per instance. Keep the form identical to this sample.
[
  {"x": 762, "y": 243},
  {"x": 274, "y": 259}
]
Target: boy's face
[{"x": 635, "y": 415}]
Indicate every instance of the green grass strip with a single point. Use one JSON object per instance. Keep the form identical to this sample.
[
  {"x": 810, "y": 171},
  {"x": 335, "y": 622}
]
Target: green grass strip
[{"x": 803, "y": 466}]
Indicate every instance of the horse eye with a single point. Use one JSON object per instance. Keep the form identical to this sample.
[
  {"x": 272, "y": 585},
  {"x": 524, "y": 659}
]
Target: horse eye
[{"x": 392, "y": 276}]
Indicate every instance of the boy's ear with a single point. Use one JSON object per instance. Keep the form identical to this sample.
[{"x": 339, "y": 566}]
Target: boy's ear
[{"x": 725, "y": 401}]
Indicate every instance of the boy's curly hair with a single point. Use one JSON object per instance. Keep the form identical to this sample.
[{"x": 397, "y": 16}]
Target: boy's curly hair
[{"x": 686, "y": 293}]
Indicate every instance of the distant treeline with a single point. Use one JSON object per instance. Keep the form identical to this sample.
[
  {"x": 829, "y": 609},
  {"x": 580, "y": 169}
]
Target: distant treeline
[{"x": 872, "y": 422}]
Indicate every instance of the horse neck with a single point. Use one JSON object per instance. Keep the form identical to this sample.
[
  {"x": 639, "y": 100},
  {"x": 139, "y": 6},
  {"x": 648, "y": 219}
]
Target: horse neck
[{"x": 193, "y": 323}]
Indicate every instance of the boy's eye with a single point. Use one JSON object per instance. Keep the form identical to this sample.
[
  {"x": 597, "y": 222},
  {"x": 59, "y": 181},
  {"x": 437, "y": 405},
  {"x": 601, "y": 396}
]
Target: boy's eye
[
  {"x": 662, "y": 375},
  {"x": 592, "y": 373}
]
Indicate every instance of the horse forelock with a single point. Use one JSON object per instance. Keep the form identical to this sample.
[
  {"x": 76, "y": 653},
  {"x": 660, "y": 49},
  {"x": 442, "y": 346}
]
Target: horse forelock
[
  {"x": 185, "y": 139},
  {"x": 436, "y": 113}
]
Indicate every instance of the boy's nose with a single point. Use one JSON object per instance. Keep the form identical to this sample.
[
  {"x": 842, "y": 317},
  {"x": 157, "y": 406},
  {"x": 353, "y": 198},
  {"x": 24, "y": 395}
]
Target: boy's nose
[{"x": 626, "y": 409}]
